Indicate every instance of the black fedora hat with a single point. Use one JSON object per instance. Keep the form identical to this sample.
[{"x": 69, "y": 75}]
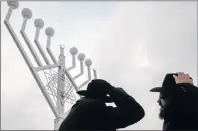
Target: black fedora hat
[
  {"x": 96, "y": 89},
  {"x": 168, "y": 82},
  {"x": 167, "y": 85}
]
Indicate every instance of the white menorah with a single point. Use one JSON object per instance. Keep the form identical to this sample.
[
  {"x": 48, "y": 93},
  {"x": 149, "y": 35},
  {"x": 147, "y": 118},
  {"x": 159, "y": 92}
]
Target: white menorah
[{"x": 60, "y": 84}]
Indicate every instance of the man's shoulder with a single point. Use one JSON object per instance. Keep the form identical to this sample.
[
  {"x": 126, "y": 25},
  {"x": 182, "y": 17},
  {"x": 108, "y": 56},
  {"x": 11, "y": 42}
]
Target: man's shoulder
[
  {"x": 186, "y": 88},
  {"x": 90, "y": 103}
]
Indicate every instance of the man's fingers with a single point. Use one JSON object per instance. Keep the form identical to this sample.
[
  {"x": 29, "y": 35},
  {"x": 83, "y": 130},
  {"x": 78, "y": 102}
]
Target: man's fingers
[
  {"x": 183, "y": 75},
  {"x": 175, "y": 76},
  {"x": 191, "y": 81},
  {"x": 187, "y": 76},
  {"x": 180, "y": 73},
  {"x": 183, "y": 78}
]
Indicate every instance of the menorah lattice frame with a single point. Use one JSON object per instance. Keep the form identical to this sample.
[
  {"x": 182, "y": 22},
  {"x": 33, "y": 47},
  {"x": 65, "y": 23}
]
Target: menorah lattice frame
[{"x": 60, "y": 84}]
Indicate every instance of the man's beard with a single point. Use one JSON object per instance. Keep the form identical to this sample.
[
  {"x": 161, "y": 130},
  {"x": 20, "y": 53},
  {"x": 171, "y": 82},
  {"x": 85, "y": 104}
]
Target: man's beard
[{"x": 161, "y": 113}]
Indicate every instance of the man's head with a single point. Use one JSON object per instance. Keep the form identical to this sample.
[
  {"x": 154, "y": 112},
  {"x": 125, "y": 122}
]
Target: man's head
[
  {"x": 97, "y": 89},
  {"x": 168, "y": 96}
]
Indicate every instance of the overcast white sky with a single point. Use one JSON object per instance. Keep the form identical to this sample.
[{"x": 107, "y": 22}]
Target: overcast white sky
[{"x": 132, "y": 44}]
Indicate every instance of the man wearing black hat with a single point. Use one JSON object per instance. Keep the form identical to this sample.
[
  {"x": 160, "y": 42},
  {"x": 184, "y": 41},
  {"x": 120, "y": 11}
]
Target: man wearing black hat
[
  {"x": 179, "y": 102},
  {"x": 91, "y": 112}
]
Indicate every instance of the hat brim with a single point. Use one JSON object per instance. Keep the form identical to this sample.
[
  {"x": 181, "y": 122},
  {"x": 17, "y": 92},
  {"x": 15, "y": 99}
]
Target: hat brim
[
  {"x": 156, "y": 89},
  {"x": 87, "y": 94}
]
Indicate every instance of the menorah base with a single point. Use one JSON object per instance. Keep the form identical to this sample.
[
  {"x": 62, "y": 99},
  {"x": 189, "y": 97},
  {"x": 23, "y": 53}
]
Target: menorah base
[{"x": 57, "y": 123}]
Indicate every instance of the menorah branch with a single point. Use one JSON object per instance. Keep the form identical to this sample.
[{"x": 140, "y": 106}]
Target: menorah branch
[
  {"x": 81, "y": 71},
  {"x": 39, "y": 25},
  {"x": 28, "y": 62},
  {"x": 95, "y": 73},
  {"x": 50, "y": 32},
  {"x": 9, "y": 14},
  {"x": 12, "y": 5},
  {"x": 73, "y": 52},
  {"x": 27, "y": 14},
  {"x": 41, "y": 68},
  {"x": 81, "y": 58},
  {"x": 71, "y": 80},
  {"x": 83, "y": 84},
  {"x": 88, "y": 63},
  {"x": 31, "y": 48}
]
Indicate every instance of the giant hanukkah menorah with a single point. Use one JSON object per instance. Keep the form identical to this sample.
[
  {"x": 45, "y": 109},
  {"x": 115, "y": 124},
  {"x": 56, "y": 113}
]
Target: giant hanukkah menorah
[{"x": 60, "y": 84}]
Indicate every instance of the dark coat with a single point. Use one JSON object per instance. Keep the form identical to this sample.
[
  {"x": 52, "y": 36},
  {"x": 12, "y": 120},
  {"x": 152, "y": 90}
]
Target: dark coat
[
  {"x": 183, "y": 115},
  {"x": 93, "y": 114}
]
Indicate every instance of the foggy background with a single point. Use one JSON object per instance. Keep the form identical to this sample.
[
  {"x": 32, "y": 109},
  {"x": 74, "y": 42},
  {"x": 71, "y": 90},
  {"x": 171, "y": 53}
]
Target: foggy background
[{"x": 131, "y": 44}]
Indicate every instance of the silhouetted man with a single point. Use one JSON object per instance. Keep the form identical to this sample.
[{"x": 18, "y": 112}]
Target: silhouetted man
[
  {"x": 178, "y": 101},
  {"x": 91, "y": 112}
]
